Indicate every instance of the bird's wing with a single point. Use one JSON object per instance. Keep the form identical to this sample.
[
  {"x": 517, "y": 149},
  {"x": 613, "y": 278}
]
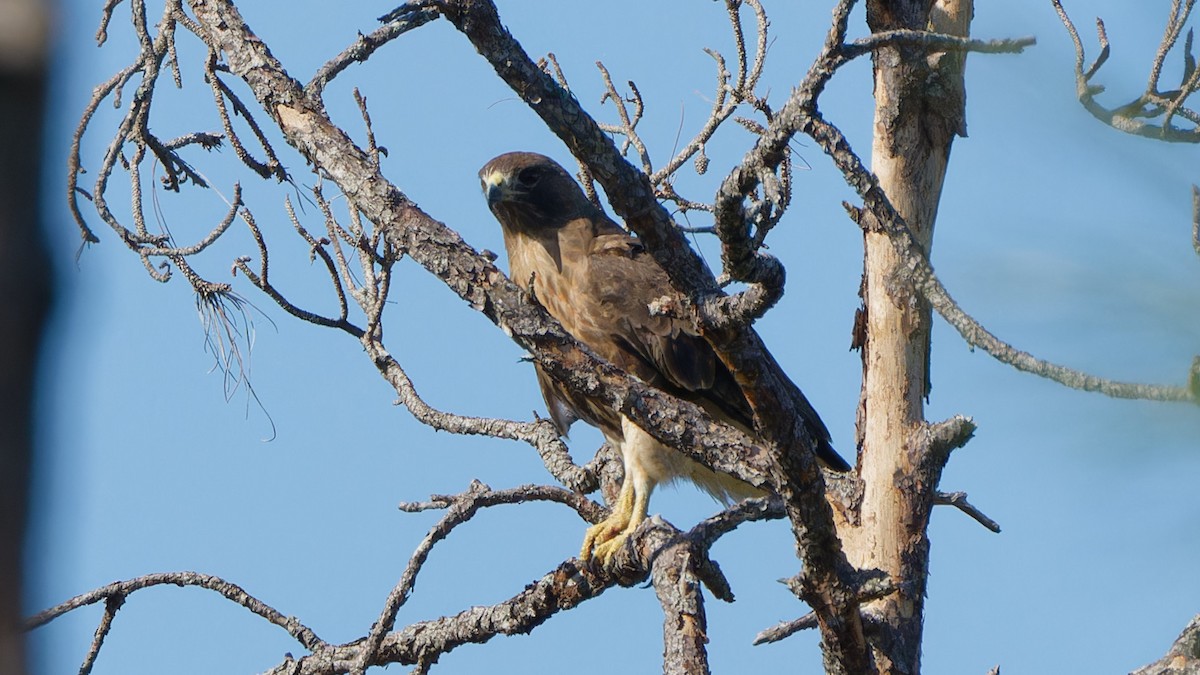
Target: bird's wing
[
  {"x": 666, "y": 351},
  {"x": 656, "y": 346}
]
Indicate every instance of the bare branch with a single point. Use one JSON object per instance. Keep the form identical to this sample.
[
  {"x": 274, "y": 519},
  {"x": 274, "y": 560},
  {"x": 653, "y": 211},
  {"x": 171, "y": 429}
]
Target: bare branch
[
  {"x": 934, "y": 42},
  {"x": 564, "y": 588},
  {"x": 407, "y": 17},
  {"x": 628, "y": 126},
  {"x": 260, "y": 278},
  {"x": 685, "y": 627},
  {"x": 797, "y": 114},
  {"x": 786, "y": 629},
  {"x": 221, "y": 92},
  {"x": 959, "y": 501},
  {"x": 460, "y": 509},
  {"x": 229, "y": 590},
  {"x": 540, "y": 434},
  {"x": 1174, "y": 28},
  {"x": 1196, "y": 219},
  {"x": 1183, "y": 658},
  {"x": 731, "y": 93},
  {"x": 707, "y": 531},
  {"x": 944, "y": 437},
  {"x": 1152, "y": 103},
  {"x": 111, "y": 605},
  {"x": 105, "y": 17}
]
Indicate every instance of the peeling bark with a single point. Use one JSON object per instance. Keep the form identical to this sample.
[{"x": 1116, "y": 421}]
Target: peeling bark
[{"x": 919, "y": 110}]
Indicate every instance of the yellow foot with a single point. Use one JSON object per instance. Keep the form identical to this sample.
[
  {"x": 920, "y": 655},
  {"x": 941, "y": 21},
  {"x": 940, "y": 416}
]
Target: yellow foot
[
  {"x": 604, "y": 552},
  {"x": 604, "y": 539}
]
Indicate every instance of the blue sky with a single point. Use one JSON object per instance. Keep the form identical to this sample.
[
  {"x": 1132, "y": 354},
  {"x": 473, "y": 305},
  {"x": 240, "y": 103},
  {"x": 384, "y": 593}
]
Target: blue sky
[{"x": 1064, "y": 237}]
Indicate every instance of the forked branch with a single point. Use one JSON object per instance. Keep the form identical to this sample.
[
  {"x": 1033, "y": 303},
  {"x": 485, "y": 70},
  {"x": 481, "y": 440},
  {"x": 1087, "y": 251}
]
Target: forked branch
[{"x": 1150, "y": 114}]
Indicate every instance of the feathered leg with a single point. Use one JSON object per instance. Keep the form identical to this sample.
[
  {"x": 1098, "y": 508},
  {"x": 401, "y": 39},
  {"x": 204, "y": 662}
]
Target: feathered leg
[{"x": 604, "y": 539}]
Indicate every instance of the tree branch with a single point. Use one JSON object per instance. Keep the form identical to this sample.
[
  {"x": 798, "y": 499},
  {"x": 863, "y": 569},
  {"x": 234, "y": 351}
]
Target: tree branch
[
  {"x": 786, "y": 629},
  {"x": 459, "y": 509},
  {"x": 801, "y": 114},
  {"x": 231, "y": 591},
  {"x": 959, "y": 501},
  {"x": 1152, "y": 103},
  {"x": 1183, "y": 658},
  {"x": 407, "y": 17}
]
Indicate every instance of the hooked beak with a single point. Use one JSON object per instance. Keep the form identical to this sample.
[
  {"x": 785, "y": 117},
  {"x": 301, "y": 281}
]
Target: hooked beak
[{"x": 495, "y": 187}]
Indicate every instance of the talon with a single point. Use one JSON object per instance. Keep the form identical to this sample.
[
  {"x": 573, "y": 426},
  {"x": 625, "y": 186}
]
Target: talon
[{"x": 604, "y": 539}]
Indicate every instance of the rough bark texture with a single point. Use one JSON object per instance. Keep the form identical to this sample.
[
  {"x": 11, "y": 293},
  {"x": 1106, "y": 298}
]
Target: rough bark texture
[
  {"x": 685, "y": 627},
  {"x": 1183, "y": 658},
  {"x": 864, "y": 561},
  {"x": 24, "y": 285},
  {"x": 919, "y": 110}
]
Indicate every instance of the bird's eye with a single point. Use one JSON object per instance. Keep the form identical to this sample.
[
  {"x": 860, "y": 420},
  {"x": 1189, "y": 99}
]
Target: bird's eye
[{"x": 529, "y": 177}]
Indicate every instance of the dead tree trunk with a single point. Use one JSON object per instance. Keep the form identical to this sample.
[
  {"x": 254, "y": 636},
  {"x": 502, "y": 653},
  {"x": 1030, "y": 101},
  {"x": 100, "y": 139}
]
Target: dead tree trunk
[{"x": 918, "y": 112}]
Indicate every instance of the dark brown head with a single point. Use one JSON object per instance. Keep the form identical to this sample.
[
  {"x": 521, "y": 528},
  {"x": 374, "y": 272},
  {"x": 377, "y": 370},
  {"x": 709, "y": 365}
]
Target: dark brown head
[{"x": 526, "y": 190}]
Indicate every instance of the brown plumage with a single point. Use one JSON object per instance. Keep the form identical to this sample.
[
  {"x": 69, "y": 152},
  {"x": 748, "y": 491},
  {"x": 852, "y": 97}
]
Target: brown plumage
[{"x": 599, "y": 282}]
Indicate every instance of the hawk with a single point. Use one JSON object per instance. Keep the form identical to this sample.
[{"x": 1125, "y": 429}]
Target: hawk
[{"x": 599, "y": 282}]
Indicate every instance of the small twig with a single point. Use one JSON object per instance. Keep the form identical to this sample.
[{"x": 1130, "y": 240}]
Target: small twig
[
  {"x": 732, "y": 91},
  {"x": 260, "y": 281},
  {"x": 337, "y": 269},
  {"x": 549, "y": 65},
  {"x": 541, "y": 434},
  {"x": 934, "y": 42},
  {"x": 372, "y": 149},
  {"x": 111, "y": 605},
  {"x": 707, "y": 531},
  {"x": 786, "y": 629},
  {"x": 1196, "y": 219},
  {"x": 628, "y": 126},
  {"x": 221, "y": 92},
  {"x": 208, "y": 240},
  {"x": 407, "y": 17},
  {"x": 106, "y": 13},
  {"x": 1174, "y": 27},
  {"x": 959, "y": 501}
]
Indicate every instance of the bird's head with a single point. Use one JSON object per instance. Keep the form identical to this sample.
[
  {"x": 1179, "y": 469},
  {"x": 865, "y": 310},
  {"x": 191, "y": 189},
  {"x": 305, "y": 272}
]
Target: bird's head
[{"x": 526, "y": 190}]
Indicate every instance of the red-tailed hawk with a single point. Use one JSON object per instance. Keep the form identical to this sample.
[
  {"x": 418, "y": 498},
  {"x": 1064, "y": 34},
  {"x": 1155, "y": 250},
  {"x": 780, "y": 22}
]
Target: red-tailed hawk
[{"x": 599, "y": 282}]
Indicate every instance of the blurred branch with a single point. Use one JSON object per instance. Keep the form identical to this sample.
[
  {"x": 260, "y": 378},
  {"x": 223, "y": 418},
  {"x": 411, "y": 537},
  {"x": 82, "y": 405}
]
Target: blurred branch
[
  {"x": 1153, "y": 103},
  {"x": 1196, "y": 219}
]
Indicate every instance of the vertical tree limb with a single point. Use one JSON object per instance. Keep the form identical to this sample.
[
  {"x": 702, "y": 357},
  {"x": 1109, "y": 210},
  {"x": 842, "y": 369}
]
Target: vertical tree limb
[{"x": 919, "y": 108}]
